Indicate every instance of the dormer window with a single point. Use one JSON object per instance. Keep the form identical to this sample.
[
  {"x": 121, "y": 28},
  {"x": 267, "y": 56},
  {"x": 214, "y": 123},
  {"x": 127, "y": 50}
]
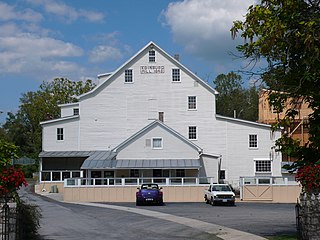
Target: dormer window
[{"x": 152, "y": 56}]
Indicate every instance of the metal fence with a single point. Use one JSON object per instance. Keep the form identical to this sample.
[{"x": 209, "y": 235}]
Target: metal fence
[
  {"x": 8, "y": 216},
  {"x": 12, "y": 220}
]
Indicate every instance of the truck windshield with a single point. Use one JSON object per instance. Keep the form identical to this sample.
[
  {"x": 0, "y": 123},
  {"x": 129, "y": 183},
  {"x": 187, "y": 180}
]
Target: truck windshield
[{"x": 221, "y": 188}]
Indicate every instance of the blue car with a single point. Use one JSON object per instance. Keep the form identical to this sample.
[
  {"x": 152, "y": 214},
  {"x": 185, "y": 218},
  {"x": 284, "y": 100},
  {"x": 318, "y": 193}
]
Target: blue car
[{"x": 149, "y": 194}]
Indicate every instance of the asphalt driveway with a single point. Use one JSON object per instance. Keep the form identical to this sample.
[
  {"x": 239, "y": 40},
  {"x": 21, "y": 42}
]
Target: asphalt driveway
[
  {"x": 71, "y": 221},
  {"x": 263, "y": 219}
]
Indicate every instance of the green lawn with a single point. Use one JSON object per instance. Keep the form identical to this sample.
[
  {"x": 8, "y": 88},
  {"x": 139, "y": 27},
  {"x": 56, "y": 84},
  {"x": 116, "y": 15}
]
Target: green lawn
[{"x": 284, "y": 237}]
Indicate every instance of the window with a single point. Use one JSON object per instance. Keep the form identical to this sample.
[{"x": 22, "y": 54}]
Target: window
[
  {"x": 192, "y": 102},
  {"x": 152, "y": 56},
  {"x": 253, "y": 141},
  {"x": 161, "y": 116},
  {"x": 180, "y": 173},
  {"x": 222, "y": 174},
  {"x": 76, "y": 111},
  {"x": 192, "y": 132},
  {"x": 263, "y": 166},
  {"x": 60, "y": 134},
  {"x": 134, "y": 173},
  {"x": 66, "y": 175},
  {"x": 157, "y": 143},
  {"x": 176, "y": 75},
  {"x": 128, "y": 77},
  {"x": 56, "y": 176}
]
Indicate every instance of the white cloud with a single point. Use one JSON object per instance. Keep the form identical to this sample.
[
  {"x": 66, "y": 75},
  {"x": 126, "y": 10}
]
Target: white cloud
[
  {"x": 203, "y": 26},
  {"x": 8, "y": 12},
  {"x": 67, "y": 12},
  {"x": 29, "y": 54},
  {"x": 104, "y": 52}
]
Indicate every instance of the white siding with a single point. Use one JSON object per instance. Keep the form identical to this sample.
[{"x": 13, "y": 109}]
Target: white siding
[
  {"x": 210, "y": 167},
  {"x": 67, "y": 109},
  {"x": 238, "y": 158},
  {"x": 121, "y": 109},
  {"x": 116, "y": 110},
  {"x": 172, "y": 147},
  {"x": 70, "y": 132}
]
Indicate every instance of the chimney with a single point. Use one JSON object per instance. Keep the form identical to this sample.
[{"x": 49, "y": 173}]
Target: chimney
[{"x": 176, "y": 57}]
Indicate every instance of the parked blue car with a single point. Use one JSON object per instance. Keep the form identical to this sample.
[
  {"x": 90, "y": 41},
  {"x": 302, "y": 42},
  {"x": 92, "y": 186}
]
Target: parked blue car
[{"x": 149, "y": 194}]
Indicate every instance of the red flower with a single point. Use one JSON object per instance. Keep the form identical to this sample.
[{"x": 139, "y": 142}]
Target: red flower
[
  {"x": 309, "y": 177},
  {"x": 11, "y": 179}
]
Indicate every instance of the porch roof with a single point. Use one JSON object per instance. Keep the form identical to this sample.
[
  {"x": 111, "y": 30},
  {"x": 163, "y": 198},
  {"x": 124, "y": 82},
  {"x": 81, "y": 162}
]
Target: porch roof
[
  {"x": 106, "y": 160},
  {"x": 142, "y": 164}
]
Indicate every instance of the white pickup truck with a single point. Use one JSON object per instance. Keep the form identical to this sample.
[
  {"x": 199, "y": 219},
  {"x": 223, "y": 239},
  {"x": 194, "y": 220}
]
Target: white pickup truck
[{"x": 219, "y": 193}]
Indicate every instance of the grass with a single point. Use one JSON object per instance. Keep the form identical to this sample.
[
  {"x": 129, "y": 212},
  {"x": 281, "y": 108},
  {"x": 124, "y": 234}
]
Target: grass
[{"x": 284, "y": 237}]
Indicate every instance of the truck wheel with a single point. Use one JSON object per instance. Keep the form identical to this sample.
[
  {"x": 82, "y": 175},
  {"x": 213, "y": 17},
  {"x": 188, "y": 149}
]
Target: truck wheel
[
  {"x": 206, "y": 199},
  {"x": 212, "y": 202}
]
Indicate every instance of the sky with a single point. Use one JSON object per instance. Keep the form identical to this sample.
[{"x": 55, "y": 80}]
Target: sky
[{"x": 78, "y": 39}]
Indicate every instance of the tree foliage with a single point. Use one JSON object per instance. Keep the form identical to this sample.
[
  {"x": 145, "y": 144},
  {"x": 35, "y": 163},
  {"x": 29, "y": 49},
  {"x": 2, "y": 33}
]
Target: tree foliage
[
  {"x": 23, "y": 128},
  {"x": 286, "y": 33},
  {"x": 7, "y": 151},
  {"x": 234, "y": 99}
]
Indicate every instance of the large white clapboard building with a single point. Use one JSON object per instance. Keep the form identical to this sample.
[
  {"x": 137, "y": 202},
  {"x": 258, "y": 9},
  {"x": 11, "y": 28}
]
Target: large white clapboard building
[{"x": 153, "y": 117}]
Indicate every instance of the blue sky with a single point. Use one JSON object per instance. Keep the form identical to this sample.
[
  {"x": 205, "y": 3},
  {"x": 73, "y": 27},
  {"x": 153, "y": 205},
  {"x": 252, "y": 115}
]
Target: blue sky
[{"x": 79, "y": 39}]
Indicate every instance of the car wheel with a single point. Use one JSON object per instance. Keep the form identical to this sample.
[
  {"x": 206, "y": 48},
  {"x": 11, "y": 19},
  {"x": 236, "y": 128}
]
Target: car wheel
[
  {"x": 232, "y": 204},
  {"x": 212, "y": 202},
  {"x": 206, "y": 199}
]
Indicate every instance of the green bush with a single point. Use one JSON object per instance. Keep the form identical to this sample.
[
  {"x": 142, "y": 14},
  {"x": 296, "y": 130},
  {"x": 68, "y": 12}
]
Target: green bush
[{"x": 29, "y": 221}]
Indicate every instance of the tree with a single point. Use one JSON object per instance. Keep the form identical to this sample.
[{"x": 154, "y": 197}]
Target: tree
[
  {"x": 286, "y": 33},
  {"x": 233, "y": 98},
  {"x": 23, "y": 128}
]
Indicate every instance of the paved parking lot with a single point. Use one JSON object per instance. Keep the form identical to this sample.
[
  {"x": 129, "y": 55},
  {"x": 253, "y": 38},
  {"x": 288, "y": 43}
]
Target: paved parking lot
[
  {"x": 264, "y": 219},
  {"x": 69, "y": 221}
]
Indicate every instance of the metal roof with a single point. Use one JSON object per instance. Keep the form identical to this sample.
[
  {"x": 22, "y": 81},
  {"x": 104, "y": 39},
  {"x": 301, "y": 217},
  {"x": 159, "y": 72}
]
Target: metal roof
[
  {"x": 106, "y": 160},
  {"x": 141, "y": 164},
  {"x": 66, "y": 154},
  {"x": 95, "y": 154}
]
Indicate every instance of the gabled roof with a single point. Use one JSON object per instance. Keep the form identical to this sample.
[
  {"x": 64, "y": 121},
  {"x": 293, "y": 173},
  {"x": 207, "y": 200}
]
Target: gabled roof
[
  {"x": 60, "y": 119},
  {"x": 148, "y": 128},
  {"x": 170, "y": 58}
]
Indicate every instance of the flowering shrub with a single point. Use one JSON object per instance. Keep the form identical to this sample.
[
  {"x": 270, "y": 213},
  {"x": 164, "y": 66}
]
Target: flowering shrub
[
  {"x": 11, "y": 179},
  {"x": 309, "y": 177}
]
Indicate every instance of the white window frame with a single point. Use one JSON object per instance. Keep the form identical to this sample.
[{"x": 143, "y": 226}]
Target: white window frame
[
  {"x": 152, "y": 55},
  {"x": 251, "y": 141},
  {"x": 128, "y": 75},
  {"x": 193, "y": 133},
  {"x": 176, "y": 76},
  {"x": 192, "y": 102},
  {"x": 60, "y": 134},
  {"x": 261, "y": 162},
  {"x": 153, "y": 143}
]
